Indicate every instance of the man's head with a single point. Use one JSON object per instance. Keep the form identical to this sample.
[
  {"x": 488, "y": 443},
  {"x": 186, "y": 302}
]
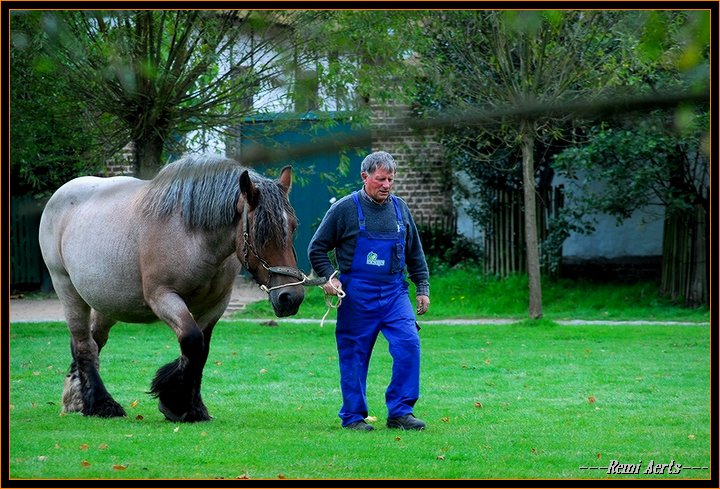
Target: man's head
[{"x": 378, "y": 173}]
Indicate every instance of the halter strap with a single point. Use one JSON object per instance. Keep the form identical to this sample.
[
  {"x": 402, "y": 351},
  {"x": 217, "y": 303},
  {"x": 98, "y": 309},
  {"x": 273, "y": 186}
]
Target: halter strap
[{"x": 281, "y": 270}]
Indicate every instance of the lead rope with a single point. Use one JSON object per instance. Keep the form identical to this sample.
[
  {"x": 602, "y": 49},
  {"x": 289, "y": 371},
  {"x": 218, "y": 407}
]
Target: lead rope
[
  {"x": 267, "y": 289},
  {"x": 328, "y": 301}
]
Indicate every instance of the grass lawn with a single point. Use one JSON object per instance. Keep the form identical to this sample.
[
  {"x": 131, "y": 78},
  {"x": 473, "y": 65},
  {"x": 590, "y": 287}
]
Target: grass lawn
[
  {"x": 466, "y": 293},
  {"x": 521, "y": 401}
]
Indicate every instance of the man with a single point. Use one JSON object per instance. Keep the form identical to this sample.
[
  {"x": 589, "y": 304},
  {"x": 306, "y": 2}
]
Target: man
[{"x": 374, "y": 238}]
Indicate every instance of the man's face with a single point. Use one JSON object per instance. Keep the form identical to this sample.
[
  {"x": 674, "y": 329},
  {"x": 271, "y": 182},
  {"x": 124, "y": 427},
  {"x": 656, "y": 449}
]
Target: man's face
[{"x": 378, "y": 184}]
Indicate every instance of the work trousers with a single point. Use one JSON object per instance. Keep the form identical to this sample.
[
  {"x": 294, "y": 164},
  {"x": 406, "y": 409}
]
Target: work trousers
[{"x": 369, "y": 308}]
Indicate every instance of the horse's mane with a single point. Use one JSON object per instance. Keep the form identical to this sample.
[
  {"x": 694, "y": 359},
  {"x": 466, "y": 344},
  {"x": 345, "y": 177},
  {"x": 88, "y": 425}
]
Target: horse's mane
[{"x": 205, "y": 190}]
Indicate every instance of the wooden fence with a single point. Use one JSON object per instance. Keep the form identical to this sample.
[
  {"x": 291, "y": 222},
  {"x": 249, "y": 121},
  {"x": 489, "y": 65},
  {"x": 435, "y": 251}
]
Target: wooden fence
[
  {"x": 26, "y": 265},
  {"x": 505, "y": 236}
]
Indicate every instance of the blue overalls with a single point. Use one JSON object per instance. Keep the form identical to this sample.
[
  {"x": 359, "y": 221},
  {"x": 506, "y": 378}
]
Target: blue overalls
[{"x": 377, "y": 300}]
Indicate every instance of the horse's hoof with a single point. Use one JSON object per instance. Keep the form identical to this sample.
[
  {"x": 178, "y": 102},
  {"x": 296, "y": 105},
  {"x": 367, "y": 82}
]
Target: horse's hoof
[
  {"x": 194, "y": 415},
  {"x": 197, "y": 415},
  {"x": 107, "y": 408}
]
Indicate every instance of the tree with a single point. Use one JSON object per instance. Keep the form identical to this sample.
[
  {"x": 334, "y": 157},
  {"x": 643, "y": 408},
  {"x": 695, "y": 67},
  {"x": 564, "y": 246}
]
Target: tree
[
  {"x": 503, "y": 61},
  {"x": 160, "y": 74},
  {"x": 49, "y": 143},
  {"x": 661, "y": 159}
]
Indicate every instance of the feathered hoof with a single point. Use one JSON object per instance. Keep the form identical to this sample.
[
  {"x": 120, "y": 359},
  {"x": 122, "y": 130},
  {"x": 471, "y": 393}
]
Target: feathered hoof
[
  {"x": 106, "y": 408},
  {"x": 72, "y": 399},
  {"x": 194, "y": 415}
]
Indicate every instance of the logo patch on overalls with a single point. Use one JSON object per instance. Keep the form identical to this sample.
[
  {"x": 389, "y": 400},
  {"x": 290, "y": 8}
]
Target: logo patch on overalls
[{"x": 372, "y": 259}]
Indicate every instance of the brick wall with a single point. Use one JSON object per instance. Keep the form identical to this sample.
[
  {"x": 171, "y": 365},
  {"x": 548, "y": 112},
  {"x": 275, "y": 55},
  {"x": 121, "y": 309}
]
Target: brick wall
[
  {"x": 121, "y": 163},
  {"x": 423, "y": 178}
]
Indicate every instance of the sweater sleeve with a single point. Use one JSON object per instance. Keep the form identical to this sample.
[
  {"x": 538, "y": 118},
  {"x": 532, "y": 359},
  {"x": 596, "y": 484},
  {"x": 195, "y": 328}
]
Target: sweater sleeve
[
  {"x": 322, "y": 242},
  {"x": 415, "y": 261}
]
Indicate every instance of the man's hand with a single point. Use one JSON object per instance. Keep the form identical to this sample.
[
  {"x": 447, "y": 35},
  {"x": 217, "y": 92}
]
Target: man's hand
[
  {"x": 332, "y": 286},
  {"x": 423, "y": 304}
]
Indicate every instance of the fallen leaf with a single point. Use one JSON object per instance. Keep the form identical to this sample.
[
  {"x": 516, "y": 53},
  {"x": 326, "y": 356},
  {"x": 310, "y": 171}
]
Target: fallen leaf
[
  {"x": 218, "y": 363},
  {"x": 134, "y": 403},
  {"x": 534, "y": 451},
  {"x": 478, "y": 405},
  {"x": 139, "y": 417},
  {"x": 103, "y": 446},
  {"x": 691, "y": 437},
  {"x": 84, "y": 446},
  {"x": 243, "y": 476},
  {"x": 281, "y": 476},
  {"x": 42, "y": 458},
  {"x": 487, "y": 361},
  {"x": 445, "y": 419},
  {"x": 441, "y": 457},
  {"x": 599, "y": 456},
  {"x": 397, "y": 438},
  {"x": 591, "y": 399},
  {"x": 177, "y": 428},
  {"x": 120, "y": 467},
  {"x": 85, "y": 463},
  {"x": 263, "y": 371}
]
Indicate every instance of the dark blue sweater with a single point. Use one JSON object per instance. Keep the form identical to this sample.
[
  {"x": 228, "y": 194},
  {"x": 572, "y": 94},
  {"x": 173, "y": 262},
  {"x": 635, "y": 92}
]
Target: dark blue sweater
[{"x": 339, "y": 231}]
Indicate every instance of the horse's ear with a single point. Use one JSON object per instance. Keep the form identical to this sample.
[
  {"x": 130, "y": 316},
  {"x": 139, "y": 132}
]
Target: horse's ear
[
  {"x": 285, "y": 179},
  {"x": 248, "y": 189}
]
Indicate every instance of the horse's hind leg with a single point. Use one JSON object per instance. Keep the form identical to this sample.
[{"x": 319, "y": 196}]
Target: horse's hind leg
[{"x": 84, "y": 390}]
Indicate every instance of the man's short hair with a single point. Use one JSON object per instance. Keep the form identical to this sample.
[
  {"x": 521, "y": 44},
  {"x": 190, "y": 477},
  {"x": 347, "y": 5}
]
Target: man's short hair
[{"x": 378, "y": 159}]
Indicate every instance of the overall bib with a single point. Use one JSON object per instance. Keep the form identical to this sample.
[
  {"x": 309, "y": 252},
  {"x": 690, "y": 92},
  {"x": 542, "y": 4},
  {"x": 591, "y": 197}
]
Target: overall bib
[{"x": 377, "y": 301}]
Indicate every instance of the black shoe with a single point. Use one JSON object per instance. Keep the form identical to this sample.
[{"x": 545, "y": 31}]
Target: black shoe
[
  {"x": 359, "y": 426},
  {"x": 407, "y": 422}
]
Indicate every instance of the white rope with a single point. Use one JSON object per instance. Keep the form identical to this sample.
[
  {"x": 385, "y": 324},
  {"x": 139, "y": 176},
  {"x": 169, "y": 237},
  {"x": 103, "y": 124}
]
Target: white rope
[
  {"x": 339, "y": 292},
  {"x": 328, "y": 302},
  {"x": 304, "y": 279}
]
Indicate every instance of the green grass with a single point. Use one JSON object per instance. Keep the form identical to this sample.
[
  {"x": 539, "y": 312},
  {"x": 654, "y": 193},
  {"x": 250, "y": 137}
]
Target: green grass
[
  {"x": 465, "y": 293},
  {"x": 524, "y": 401}
]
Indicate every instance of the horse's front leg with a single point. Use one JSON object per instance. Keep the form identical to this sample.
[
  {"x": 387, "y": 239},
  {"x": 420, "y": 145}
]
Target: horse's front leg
[{"x": 177, "y": 384}]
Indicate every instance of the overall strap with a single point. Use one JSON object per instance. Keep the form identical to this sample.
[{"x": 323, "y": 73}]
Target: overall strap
[
  {"x": 398, "y": 214},
  {"x": 361, "y": 216}
]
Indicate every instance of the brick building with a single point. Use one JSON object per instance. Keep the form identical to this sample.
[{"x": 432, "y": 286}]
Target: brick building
[{"x": 424, "y": 180}]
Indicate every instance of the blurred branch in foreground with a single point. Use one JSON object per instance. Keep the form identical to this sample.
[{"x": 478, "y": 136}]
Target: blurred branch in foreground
[{"x": 587, "y": 110}]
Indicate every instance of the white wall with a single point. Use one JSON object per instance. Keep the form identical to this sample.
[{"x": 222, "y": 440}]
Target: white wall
[{"x": 639, "y": 235}]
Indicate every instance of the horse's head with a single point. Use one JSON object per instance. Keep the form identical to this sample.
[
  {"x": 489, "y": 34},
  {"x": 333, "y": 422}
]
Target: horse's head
[{"x": 265, "y": 239}]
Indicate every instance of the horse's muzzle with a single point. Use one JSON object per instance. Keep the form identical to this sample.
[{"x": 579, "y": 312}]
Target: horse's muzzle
[{"x": 286, "y": 300}]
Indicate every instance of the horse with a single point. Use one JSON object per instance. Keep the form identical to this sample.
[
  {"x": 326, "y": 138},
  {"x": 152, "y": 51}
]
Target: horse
[{"x": 124, "y": 249}]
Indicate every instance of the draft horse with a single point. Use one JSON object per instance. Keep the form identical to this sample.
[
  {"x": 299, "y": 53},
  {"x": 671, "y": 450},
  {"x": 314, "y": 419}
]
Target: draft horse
[{"x": 170, "y": 248}]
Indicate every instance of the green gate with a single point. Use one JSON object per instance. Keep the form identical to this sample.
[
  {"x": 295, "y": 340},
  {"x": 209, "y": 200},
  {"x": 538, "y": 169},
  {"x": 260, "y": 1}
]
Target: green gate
[{"x": 318, "y": 179}]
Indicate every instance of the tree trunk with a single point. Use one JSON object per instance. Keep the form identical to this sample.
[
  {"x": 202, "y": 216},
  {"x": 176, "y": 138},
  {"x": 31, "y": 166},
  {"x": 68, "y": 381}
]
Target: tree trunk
[
  {"x": 685, "y": 272},
  {"x": 148, "y": 154},
  {"x": 531, "y": 237},
  {"x": 697, "y": 294}
]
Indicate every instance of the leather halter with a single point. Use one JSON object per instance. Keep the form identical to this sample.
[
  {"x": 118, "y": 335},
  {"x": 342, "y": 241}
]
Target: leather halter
[{"x": 296, "y": 273}]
